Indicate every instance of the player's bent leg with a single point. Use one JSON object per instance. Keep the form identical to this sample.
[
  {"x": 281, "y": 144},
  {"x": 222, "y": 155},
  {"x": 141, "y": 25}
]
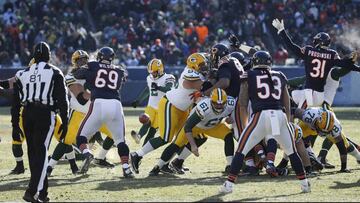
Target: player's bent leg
[
  {"x": 150, "y": 134},
  {"x": 60, "y": 150}
]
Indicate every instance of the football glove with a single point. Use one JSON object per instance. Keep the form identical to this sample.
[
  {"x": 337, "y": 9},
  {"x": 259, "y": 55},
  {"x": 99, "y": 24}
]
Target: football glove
[
  {"x": 195, "y": 95},
  {"x": 234, "y": 41},
  {"x": 154, "y": 86},
  {"x": 279, "y": 25},
  {"x": 135, "y": 103}
]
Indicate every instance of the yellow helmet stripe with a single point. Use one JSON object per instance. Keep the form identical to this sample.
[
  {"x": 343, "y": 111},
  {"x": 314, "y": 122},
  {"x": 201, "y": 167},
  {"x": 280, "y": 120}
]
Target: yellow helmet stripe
[{"x": 150, "y": 65}]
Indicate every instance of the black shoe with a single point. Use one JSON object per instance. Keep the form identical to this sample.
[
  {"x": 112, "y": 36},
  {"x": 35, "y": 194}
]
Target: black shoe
[
  {"x": 49, "y": 171},
  {"x": 86, "y": 163},
  {"x": 328, "y": 165},
  {"x": 155, "y": 171},
  {"x": 271, "y": 170},
  {"x": 227, "y": 169},
  {"x": 135, "y": 161},
  {"x": 345, "y": 171},
  {"x": 316, "y": 164},
  {"x": 166, "y": 170},
  {"x": 103, "y": 163},
  {"x": 282, "y": 171},
  {"x": 128, "y": 173},
  {"x": 177, "y": 166},
  {"x": 19, "y": 169},
  {"x": 251, "y": 171},
  {"x": 46, "y": 199},
  {"x": 28, "y": 197}
]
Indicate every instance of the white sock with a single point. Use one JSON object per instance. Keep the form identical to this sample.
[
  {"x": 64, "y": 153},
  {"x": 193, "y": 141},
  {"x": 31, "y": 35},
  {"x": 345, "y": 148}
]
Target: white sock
[
  {"x": 161, "y": 163},
  {"x": 52, "y": 163},
  {"x": 229, "y": 160},
  {"x": 102, "y": 153},
  {"x": 185, "y": 153},
  {"x": 125, "y": 166},
  {"x": 355, "y": 153},
  {"x": 17, "y": 159},
  {"x": 145, "y": 149},
  {"x": 285, "y": 157},
  {"x": 70, "y": 155},
  {"x": 304, "y": 181},
  {"x": 86, "y": 151},
  {"x": 250, "y": 162}
]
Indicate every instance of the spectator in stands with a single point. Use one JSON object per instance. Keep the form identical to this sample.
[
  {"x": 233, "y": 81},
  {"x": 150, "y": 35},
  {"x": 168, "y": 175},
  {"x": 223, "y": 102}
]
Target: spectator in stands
[
  {"x": 280, "y": 56},
  {"x": 157, "y": 50}
]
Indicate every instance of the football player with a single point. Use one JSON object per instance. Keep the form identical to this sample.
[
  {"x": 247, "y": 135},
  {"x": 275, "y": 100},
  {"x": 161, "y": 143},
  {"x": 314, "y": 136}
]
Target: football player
[
  {"x": 158, "y": 83},
  {"x": 173, "y": 108},
  {"x": 270, "y": 103},
  {"x": 105, "y": 81},
  {"x": 207, "y": 118},
  {"x": 325, "y": 124},
  {"x": 79, "y": 105},
  {"x": 318, "y": 61}
]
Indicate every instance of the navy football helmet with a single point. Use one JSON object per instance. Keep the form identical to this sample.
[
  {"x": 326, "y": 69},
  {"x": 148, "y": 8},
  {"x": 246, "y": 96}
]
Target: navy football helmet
[
  {"x": 105, "y": 54},
  {"x": 239, "y": 56},
  {"x": 261, "y": 59},
  {"x": 321, "y": 39}
]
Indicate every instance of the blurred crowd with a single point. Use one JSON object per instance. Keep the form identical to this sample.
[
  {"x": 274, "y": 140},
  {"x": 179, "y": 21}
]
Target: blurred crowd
[{"x": 140, "y": 30}]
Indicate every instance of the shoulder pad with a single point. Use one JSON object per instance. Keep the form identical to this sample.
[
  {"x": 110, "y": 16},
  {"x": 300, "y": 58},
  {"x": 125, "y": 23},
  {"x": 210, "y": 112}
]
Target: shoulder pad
[
  {"x": 203, "y": 108},
  {"x": 224, "y": 60}
]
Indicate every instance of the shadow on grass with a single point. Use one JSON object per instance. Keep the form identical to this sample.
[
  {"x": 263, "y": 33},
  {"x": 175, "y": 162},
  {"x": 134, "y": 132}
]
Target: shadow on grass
[{"x": 340, "y": 185}]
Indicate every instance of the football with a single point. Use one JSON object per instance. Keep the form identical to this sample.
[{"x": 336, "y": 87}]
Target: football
[{"x": 144, "y": 118}]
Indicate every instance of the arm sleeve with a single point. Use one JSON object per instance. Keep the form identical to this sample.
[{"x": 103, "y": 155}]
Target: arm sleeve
[
  {"x": 60, "y": 96},
  {"x": 191, "y": 122},
  {"x": 5, "y": 84},
  {"x": 337, "y": 73},
  {"x": 170, "y": 83},
  {"x": 224, "y": 72},
  {"x": 15, "y": 107},
  {"x": 80, "y": 73},
  {"x": 299, "y": 52}
]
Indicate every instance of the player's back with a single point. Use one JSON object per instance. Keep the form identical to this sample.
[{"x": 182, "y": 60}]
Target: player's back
[
  {"x": 261, "y": 94},
  {"x": 104, "y": 80},
  {"x": 235, "y": 69},
  {"x": 318, "y": 63}
]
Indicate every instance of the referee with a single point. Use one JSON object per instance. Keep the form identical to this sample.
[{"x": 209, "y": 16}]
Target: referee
[{"x": 40, "y": 89}]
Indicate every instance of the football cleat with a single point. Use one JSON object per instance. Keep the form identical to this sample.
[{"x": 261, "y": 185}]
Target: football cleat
[
  {"x": 316, "y": 164},
  {"x": 155, "y": 171},
  {"x": 345, "y": 171},
  {"x": 86, "y": 163},
  {"x": 176, "y": 165},
  {"x": 135, "y": 136},
  {"x": 19, "y": 169},
  {"x": 251, "y": 171},
  {"x": 135, "y": 161},
  {"x": 49, "y": 171},
  {"x": 103, "y": 163},
  {"x": 311, "y": 173},
  {"x": 282, "y": 171},
  {"x": 166, "y": 170},
  {"x": 227, "y": 187},
  {"x": 326, "y": 164},
  {"x": 128, "y": 173},
  {"x": 305, "y": 186},
  {"x": 29, "y": 198},
  {"x": 271, "y": 170}
]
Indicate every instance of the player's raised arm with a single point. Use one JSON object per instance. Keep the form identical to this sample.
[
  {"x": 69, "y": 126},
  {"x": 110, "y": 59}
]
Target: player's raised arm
[{"x": 279, "y": 25}]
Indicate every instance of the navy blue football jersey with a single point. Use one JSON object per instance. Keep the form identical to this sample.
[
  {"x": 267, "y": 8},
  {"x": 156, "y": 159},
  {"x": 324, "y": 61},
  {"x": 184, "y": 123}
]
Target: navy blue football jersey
[
  {"x": 230, "y": 68},
  {"x": 262, "y": 94},
  {"x": 317, "y": 61},
  {"x": 103, "y": 80}
]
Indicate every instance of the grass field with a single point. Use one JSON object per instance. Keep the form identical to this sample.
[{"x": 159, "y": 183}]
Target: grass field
[{"x": 201, "y": 184}]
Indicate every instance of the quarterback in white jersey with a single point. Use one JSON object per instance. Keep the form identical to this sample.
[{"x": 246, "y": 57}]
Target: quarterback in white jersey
[
  {"x": 158, "y": 83},
  {"x": 207, "y": 118},
  {"x": 174, "y": 107}
]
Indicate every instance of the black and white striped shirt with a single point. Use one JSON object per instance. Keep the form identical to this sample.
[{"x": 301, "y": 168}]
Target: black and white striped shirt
[{"x": 41, "y": 83}]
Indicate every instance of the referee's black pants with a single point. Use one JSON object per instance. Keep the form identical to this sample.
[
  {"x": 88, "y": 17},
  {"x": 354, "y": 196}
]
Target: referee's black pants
[{"x": 38, "y": 124}]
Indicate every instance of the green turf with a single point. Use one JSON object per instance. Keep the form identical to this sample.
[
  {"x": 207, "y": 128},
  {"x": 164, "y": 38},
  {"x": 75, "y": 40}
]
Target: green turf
[{"x": 201, "y": 184}]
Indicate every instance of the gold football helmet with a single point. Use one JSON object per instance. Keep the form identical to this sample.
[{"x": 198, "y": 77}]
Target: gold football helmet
[
  {"x": 155, "y": 67},
  {"x": 79, "y": 58},
  {"x": 326, "y": 122},
  {"x": 197, "y": 62},
  {"x": 218, "y": 100}
]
